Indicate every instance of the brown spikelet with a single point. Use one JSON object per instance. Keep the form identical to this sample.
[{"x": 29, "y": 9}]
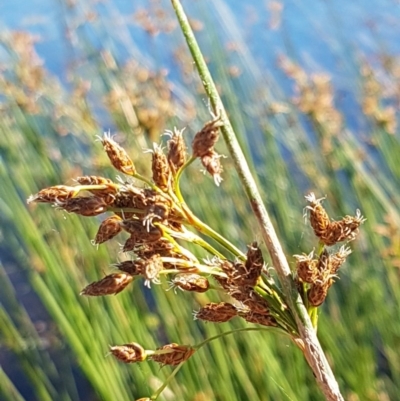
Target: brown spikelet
[
  {"x": 191, "y": 282},
  {"x": 323, "y": 264},
  {"x": 204, "y": 141},
  {"x": 212, "y": 164},
  {"x": 318, "y": 292},
  {"x": 55, "y": 194},
  {"x": 254, "y": 263},
  {"x": 118, "y": 156},
  {"x": 172, "y": 354},
  {"x": 239, "y": 275},
  {"x": 162, "y": 176},
  {"x": 176, "y": 150},
  {"x": 111, "y": 284},
  {"x": 143, "y": 233},
  {"x": 130, "y": 197},
  {"x": 129, "y": 353},
  {"x": 85, "y": 206},
  {"x": 319, "y": 218},
  {"x": 158, "y": 211},
  {"x": 250, "y": 299},
  {"x": 339, "y": 258},
  {"x": 161, "y": 247},
  {"x": 306, "y": 268},
  {"x": 217, "y": 312},
  {"x": 144, "y": 399},
  {"x": 108, "y": 229},
  {"x": 265, "y": 319},
  {"x": 343, "y": 230},
  {"x": 325, "y": 278}
]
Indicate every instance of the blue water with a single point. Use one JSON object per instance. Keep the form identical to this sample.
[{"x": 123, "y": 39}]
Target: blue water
[{"x": 314, "y": 31}]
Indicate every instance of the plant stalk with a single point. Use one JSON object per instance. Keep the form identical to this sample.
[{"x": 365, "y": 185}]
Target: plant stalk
[{"x": 312, "y": 348}]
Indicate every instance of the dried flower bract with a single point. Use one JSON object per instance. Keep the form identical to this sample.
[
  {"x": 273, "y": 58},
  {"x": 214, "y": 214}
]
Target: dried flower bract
[
  {"x": 129, "y": 353},
  {"x": 117, "y": 155},
  {"x": 111, "y": 284},
  {"x": 172, "y": 354},
  {"x": 217, "y": 312}
]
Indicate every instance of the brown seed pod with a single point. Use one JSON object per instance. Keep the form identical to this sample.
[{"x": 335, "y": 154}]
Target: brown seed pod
[
  {"x": 343, "y": 230},
  {"x": 162, "y": 176},
  {"x": 129, "y": 353},
  {"x": 254, "y": 263},
  {"x": 339, "y": 258},
  {"x": 212, "y": 164},
  {"x": 306, "y": 268},
  {"x": 204, "y": 141},
  {"x": 108, "y": 229},
  {"x": 161, "y": 247},
  {"x": 265, "y": 320},
  {"x": 190, "y": 282},
  {"x": 176, "y": 150},
  {"x": 217, "y": 312},
  {"x": 318, "y": 292},
  {"x": 142, "y": 233},
  {"x": 55, "y": 194},
  {"x": 172, "y": 354},
  {"x": 319, "y": 218},
  {"x": 118, "y": 156},
  {"x": 250, "y": 299},
  {"x": 323, "y": 265},
  {"x": 109, "y": 285},
  {"x": 239, "y": 275}
]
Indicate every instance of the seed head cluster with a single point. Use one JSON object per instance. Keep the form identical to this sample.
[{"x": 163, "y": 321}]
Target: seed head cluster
[
  {"x": 317, "y": 273},
  {"x": 152, "y": 220},
  {"x": 147, "y": 219}
]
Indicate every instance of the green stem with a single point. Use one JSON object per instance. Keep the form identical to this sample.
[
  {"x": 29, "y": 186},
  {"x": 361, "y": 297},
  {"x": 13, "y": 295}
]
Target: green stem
[
  {"x": 166, "y": 382},
  {"x": 193, "y": 238},
  {"x": 207, "y": 230},
  {"x": 193, "y": 267},
  {"x": 177, "y": 189}
]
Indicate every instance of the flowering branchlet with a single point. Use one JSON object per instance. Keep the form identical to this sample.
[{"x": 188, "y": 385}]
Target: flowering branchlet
[
  {"x": 152, "y": 218},
  {"x": 331, "y": 232},
  {"x": 317, "y": 274}
]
